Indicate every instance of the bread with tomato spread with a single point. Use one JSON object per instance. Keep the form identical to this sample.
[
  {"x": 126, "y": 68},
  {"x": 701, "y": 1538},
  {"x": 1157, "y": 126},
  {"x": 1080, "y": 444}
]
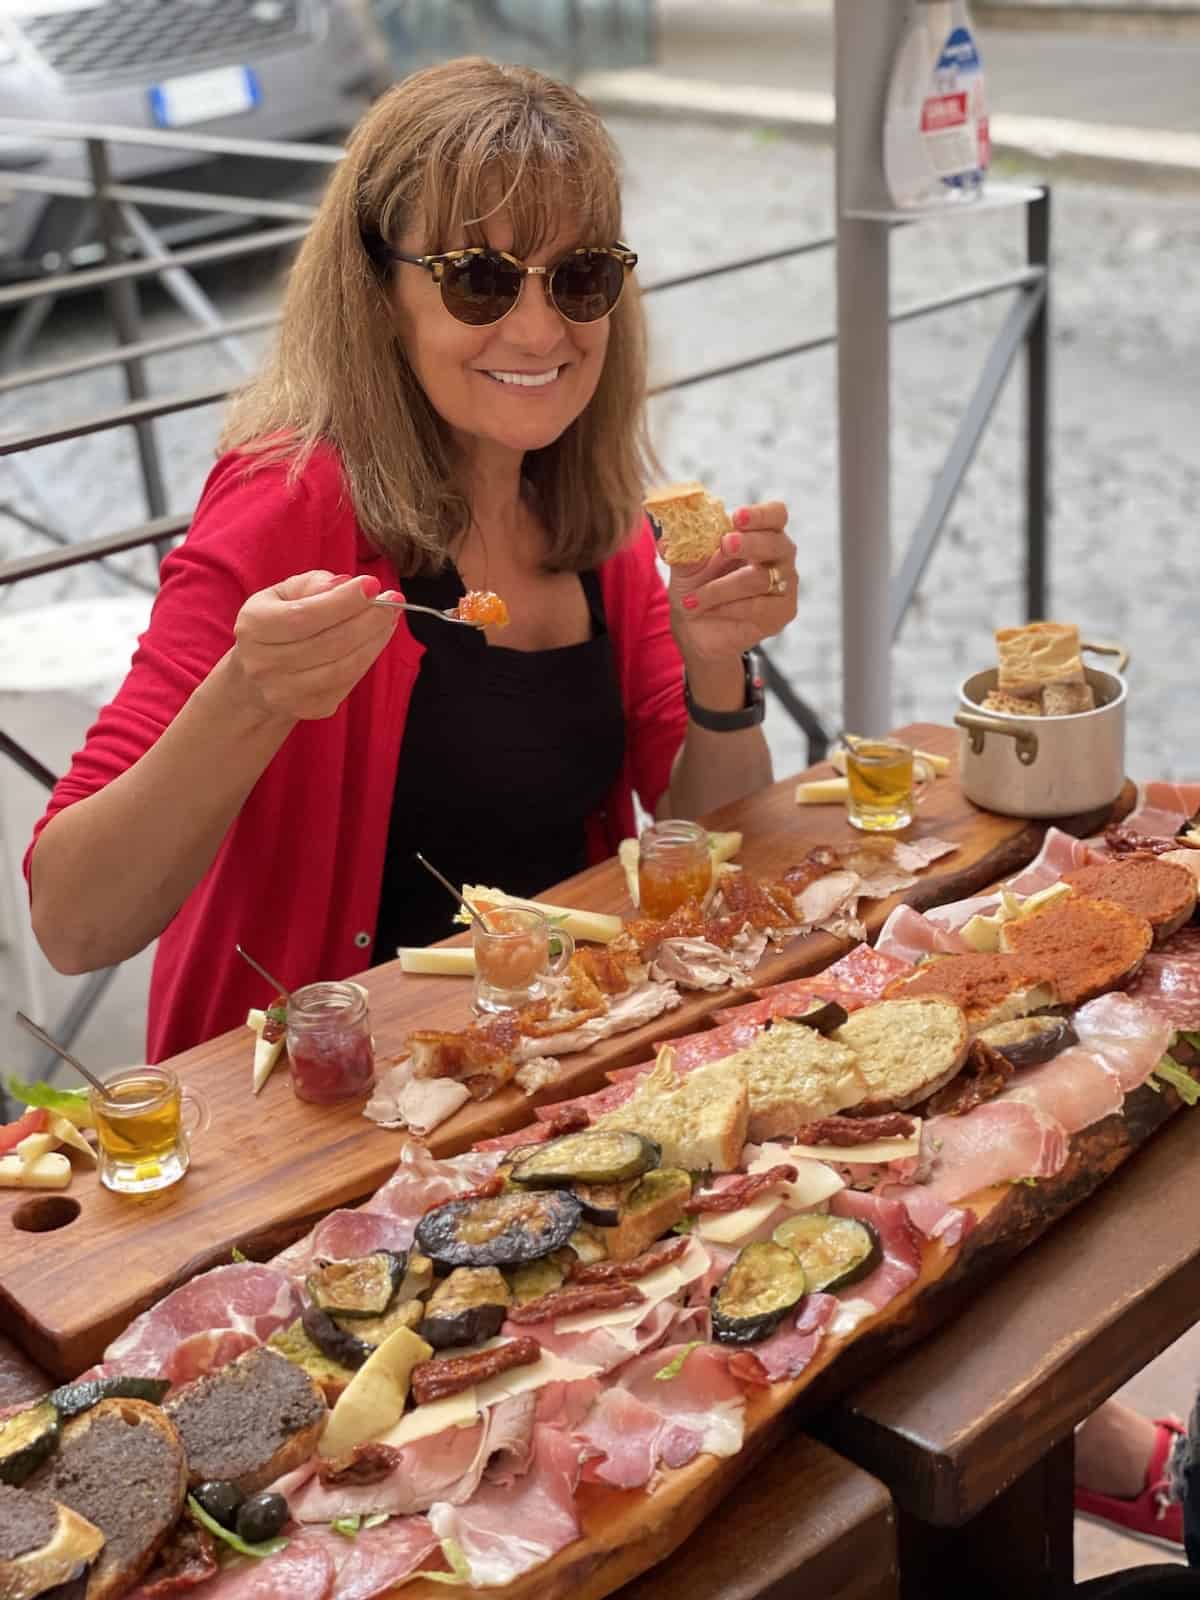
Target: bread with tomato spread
[
  {"x": 1161, "y": 891},
  {"x": 987, "y": 987},
  {"x": 906, "y": 1049},
  {"x": 1086, "y": 946}
]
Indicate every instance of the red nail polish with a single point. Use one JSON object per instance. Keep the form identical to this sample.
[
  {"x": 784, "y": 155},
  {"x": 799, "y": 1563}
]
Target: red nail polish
[
  {"x": 371, "y": 588},
  {"x": 742, "y": 518},
  {"x": 733, "y": 543},
  {"x": 690, "y": 602}
]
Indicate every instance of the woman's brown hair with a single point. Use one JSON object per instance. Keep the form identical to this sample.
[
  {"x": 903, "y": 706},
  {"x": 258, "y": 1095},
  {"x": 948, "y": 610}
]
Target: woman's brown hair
[{"x": 449, "y": 147}]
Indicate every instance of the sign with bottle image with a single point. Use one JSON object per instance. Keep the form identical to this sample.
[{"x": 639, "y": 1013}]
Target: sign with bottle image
[{"x": 936, "y": 144}]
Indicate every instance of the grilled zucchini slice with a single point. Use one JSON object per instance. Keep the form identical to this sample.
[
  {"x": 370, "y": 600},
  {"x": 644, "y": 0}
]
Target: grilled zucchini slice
[
  {"x": 465, "y": 1308},
  {"x": 27, "y": 1440},
  {"x": 532, "y": 1279},
  {"x": 499, "y": 1231},
  {"x": 592, "y": 1156},
  {"x": 834, "y": 1251},
  {"x": 74, "y": 1398},
  {"x": 360, "y": 1288},
  {"x": 760, "y": 1288}
]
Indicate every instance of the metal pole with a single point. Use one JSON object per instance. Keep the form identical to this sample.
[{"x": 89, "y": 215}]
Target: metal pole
[
  {"x": 1037, "y": 419},
  {"x": 122, "y": 298},
  {"x": 865, "y": 39}
]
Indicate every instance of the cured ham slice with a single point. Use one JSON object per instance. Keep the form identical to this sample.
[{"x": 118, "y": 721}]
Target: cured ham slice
[
  {"x": 790, "y": 1348},
  {"x": 419, "y": 1182},
  {"x": 930, "y": 1216},
  {"x": 998, "y": 1142},
  {"x": 909, "y": 936},
  {"x": 507, "y": 1530},
  {"x": 1169, "y": 982},
  {"x": 1129, "y": 1036},
  {"x": 445, "y": 1467},
  {"x": 1163, "y": 808},
  {"x": 601, "y": 1348},
  {"x": 645, "y": 1419},
  {"x": 564, "y": 1405},
  {"x": 305, "y": 1568},
  {"x": 344, "y": 1236},
  {"x": 1076, "y": 1089},
  {"x": 375, "y": 1560},
  {"x": 901, "y": 1264},
  {"x": 243, "y": 1298},
  {"x": 699, "y": 1049},
  {"x": 205, "y": 1352},
  {"x": 1059, "y": 853}
]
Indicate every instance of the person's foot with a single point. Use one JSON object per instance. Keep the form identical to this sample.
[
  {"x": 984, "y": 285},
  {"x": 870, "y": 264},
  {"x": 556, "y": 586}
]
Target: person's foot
[{"x": 1152, "y": 1514}]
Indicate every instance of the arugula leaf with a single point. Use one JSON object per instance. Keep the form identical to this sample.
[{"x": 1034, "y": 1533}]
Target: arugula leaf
[
  {"x": 347, "y": 1526},
  {"x": 70, "y": 1103},
  {"x": 460, "y": 1567},
  {"x": 376, "y": 1519},
  {"x": 1030, "y": 1183},
  {"x": 268, "y": 1547},
  {"x": 674, "y": 1368},
  {"x": 1192, "y": 1038},
  {"x": 685, "y": 1224},
  {"x": 277, "y": 1014},
  {"x": 1184, "y": 1085},
  {"x": 238, "y": 1255}
]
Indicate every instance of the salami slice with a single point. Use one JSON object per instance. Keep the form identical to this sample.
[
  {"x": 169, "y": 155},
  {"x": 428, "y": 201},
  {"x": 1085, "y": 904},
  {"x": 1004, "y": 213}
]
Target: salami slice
[
  {"x": 304, "y": 1568},
  {"x": 1169, "y": 982}
]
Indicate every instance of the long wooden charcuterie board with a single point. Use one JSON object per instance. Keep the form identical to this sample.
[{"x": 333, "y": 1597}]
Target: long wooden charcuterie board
[{"x": 75, "y": 1267}]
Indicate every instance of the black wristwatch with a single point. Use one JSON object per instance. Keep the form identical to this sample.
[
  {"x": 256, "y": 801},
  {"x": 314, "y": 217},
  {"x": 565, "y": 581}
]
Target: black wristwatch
[{"x": 754, "y": 706}]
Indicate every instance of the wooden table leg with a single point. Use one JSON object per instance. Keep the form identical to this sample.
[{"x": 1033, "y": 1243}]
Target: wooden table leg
[{"x": 1020, "y": 1545}]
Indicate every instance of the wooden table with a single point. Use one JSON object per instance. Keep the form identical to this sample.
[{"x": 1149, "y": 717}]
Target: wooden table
[
  {"x": 973, "y": 1431},
  {"x": 76, "y": 1267}
]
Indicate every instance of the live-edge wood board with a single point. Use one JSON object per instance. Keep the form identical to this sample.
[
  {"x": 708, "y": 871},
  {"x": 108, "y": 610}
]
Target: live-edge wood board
[{"x": 76, "y": 1266}]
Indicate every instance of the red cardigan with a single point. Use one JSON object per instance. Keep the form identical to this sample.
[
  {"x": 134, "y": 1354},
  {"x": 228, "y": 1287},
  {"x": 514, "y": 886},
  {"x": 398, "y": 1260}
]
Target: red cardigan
[{"x": 297, "y": 877}]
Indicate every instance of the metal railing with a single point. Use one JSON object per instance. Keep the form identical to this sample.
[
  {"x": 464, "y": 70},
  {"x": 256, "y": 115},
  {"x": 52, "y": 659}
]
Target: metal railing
[{"x": 134, "y": 253}]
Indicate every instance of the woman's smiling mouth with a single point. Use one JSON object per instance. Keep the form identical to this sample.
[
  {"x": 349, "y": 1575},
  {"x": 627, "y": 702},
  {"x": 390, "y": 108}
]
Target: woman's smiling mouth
[{"x": 525, "y": 380}]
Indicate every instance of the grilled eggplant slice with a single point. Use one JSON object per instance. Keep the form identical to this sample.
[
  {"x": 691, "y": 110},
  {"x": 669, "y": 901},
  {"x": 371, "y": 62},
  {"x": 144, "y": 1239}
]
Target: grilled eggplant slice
[
  {"x": 651, "y": 1208},
  {"x": 465, "y": 1308},
  {"x": 760, "y": 1288},
  {"x": 27, "y": 1440},
  {"x": 588, "y": 1244},
  {"x": 588, "y": 1157},
  {"x": 532, "y": 1279},
  {"x": 1029, "y": 1041},
  {"x": 74, "y": 1398},
  {"x": 601, "y": 1202},
  {"x": 833, "y": 1251},
  {"x": 350, "y": 1340},
  {"x": 361, "y": 1288},
  {"x": 824, "y": 1016},
  {"x": 499, "y": 1231}
]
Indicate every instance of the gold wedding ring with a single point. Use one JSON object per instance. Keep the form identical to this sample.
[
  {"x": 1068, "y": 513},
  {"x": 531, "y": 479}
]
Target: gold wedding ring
[{"x": 776, "y": 582}]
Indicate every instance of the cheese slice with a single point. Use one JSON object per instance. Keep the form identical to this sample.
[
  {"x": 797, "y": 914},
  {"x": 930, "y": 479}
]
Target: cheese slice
[
  {"x": 461, "y": 1410},
  {"x": 451, "y": 961},
  {"x": 873, "y": 1154},
  {"x": 656, "y": 1286},
  {"x": 455, "y": 1411},
  {"x": 522, "y": 1380},
  {"x": 822, "y": 791},
  {"x": 49, "y": 1171},
  {"x": 35, "y": 1145},
  {"x": 595, "y": 926}
]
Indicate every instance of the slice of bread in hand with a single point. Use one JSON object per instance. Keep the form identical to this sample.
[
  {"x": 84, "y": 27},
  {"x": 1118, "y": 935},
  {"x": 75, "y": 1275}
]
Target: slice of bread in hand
[
  {"x": 249, "y": 1422},
  {"x": 121, "y": 1466},
  {"x": 986, "y": 987},
  {"x": 795, "y": 1076},
  {"x": 1011, "y": 705},
  {"x": 1067, "y": 699},
  {"x": 1085, "y": 946},
  {"x": 690, "y": 521},
  {"x": 906, "y": 1050},
  {"x": 699, "y": 1120},
  {"x": 1038, "y": 654}
]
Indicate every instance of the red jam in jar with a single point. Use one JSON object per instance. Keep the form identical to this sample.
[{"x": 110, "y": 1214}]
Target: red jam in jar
[{"x": 329, "y": 1043}]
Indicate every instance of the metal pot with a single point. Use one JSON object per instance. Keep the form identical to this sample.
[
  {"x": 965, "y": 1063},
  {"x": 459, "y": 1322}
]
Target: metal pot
[{"x": 1044, "y": 766}]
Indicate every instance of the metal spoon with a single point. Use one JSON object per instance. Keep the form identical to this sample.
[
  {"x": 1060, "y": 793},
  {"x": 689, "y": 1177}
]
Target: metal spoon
[
  {"x": 263, "y": 973},
  {"x": 52, "y": 1044},
  {"x": 474, "y": 915},
  {"x": 429, "y": 611}
]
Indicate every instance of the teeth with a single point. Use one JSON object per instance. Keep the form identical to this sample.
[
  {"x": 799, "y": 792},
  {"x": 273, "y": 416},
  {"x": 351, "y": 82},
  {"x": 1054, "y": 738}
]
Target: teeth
[{"x": 527, "y": 380}]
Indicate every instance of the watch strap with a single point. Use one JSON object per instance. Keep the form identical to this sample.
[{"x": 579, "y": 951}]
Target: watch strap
[{"x": 750, "y": 714}]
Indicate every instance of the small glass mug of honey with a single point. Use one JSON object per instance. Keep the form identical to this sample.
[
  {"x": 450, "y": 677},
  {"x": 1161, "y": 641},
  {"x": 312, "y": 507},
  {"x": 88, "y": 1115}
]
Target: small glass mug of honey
[
  {"x": 145, "y": 1123},
  {"x": 674, "y": 866},
  {"x": 513, "y": 958},
  {"x": 884, "y": 785}
]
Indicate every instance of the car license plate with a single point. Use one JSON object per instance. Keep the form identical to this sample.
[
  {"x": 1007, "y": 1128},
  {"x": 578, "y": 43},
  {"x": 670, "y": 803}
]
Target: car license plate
[{"x": 204, "y": 96}]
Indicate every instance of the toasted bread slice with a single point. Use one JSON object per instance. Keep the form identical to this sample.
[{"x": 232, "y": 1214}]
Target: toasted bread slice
[
  {"x": 1161, "y": 891},
  {"x": 795, "y": 1076},
  {"x": 44, "y": 1546},
  {"x": 987, "y": 987},
  {"x": 1011, "y": 705},
  {"x": 249, "y": 1422},
  {"x": 1067, "y": 699},
  {"x": 1037, "y": 654},
  {"x": 907, "y": 1050},
  {"x": 120, "y": 1466},
  {"x": 1086, "y": 946},
  {"x": 699, "y": 1120},
  {"x": 690, "y": 521}
]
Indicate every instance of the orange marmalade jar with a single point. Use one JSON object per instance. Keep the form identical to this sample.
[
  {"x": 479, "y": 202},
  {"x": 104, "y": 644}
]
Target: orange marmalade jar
[{"x": 674, "y": 865}]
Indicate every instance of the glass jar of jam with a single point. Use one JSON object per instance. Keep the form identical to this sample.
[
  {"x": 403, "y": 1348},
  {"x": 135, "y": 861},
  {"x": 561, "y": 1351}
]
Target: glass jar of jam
[
  {"x": 674, "y": 865},
  {"x": 329, "y": 1042}
]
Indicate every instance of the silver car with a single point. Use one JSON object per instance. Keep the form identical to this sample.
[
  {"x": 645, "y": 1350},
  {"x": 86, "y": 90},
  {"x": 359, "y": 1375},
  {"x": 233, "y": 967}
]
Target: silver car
[{"x": 252, "y": 69}]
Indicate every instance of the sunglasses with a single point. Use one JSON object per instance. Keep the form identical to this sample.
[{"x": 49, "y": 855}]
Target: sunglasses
[{"x": 481, "y": 286}]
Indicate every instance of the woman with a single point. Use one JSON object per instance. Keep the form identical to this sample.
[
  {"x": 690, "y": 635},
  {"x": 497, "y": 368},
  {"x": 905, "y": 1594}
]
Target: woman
[{"x": 438, "y": 421}]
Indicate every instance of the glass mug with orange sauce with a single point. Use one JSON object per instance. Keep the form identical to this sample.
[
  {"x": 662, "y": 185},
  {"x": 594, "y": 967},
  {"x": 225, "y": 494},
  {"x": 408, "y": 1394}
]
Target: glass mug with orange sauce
[
  {"x": 145, "y": 1122},
  {"x": 512, "y": 958},
  {"x": 674, "y": 866}
]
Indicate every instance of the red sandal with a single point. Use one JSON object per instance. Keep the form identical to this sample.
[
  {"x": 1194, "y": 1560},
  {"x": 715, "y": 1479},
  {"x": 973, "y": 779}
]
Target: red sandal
[{"x": 1153, "y": 1515}]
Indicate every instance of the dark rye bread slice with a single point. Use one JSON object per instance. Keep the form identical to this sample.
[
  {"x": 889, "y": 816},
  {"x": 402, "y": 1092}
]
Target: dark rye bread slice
[
  {"x": 1161, "y": 891},
  {"x": 1085, "y": 946},
  {"x": 249, "y": 1422},
  {"x": 121, "y": 1466},
  {"x": 44, "y": 1546}
]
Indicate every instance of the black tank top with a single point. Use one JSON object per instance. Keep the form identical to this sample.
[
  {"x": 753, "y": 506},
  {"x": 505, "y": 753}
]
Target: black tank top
[{"x": 505, "y": 755}]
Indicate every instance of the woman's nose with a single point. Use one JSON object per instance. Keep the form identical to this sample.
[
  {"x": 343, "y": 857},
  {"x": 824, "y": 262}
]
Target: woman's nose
[{"x": 535, "y": 322}]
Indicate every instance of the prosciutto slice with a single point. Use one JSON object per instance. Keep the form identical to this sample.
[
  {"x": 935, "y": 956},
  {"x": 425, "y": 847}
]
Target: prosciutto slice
[
  {"x": 790, "y": 1348},
  {"x": 909, "y": 936},
  {"x": 998, "y": 1142},
  {"x": 930, "y": 1216},
  {"x": 1076, "y": 1088},
  {"x": 445, "y": 1466},
  {"x": 205, "y": 1352},
  {"x": 375, "y": 1560},
  {"x": 1163, "y": 808},
  {"x": 602, "y": 1348},
  {"x": 1059, "y": 853},
  {"x": 1130, "y": 1037},
  {"x": 242, "y": 1298},
  {"x": 1169, "y": 982},
  {"x": 901, "y": 1264},
  {"x": 507, "y": 1530},
  {"x": 344, "y": 1236}
]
